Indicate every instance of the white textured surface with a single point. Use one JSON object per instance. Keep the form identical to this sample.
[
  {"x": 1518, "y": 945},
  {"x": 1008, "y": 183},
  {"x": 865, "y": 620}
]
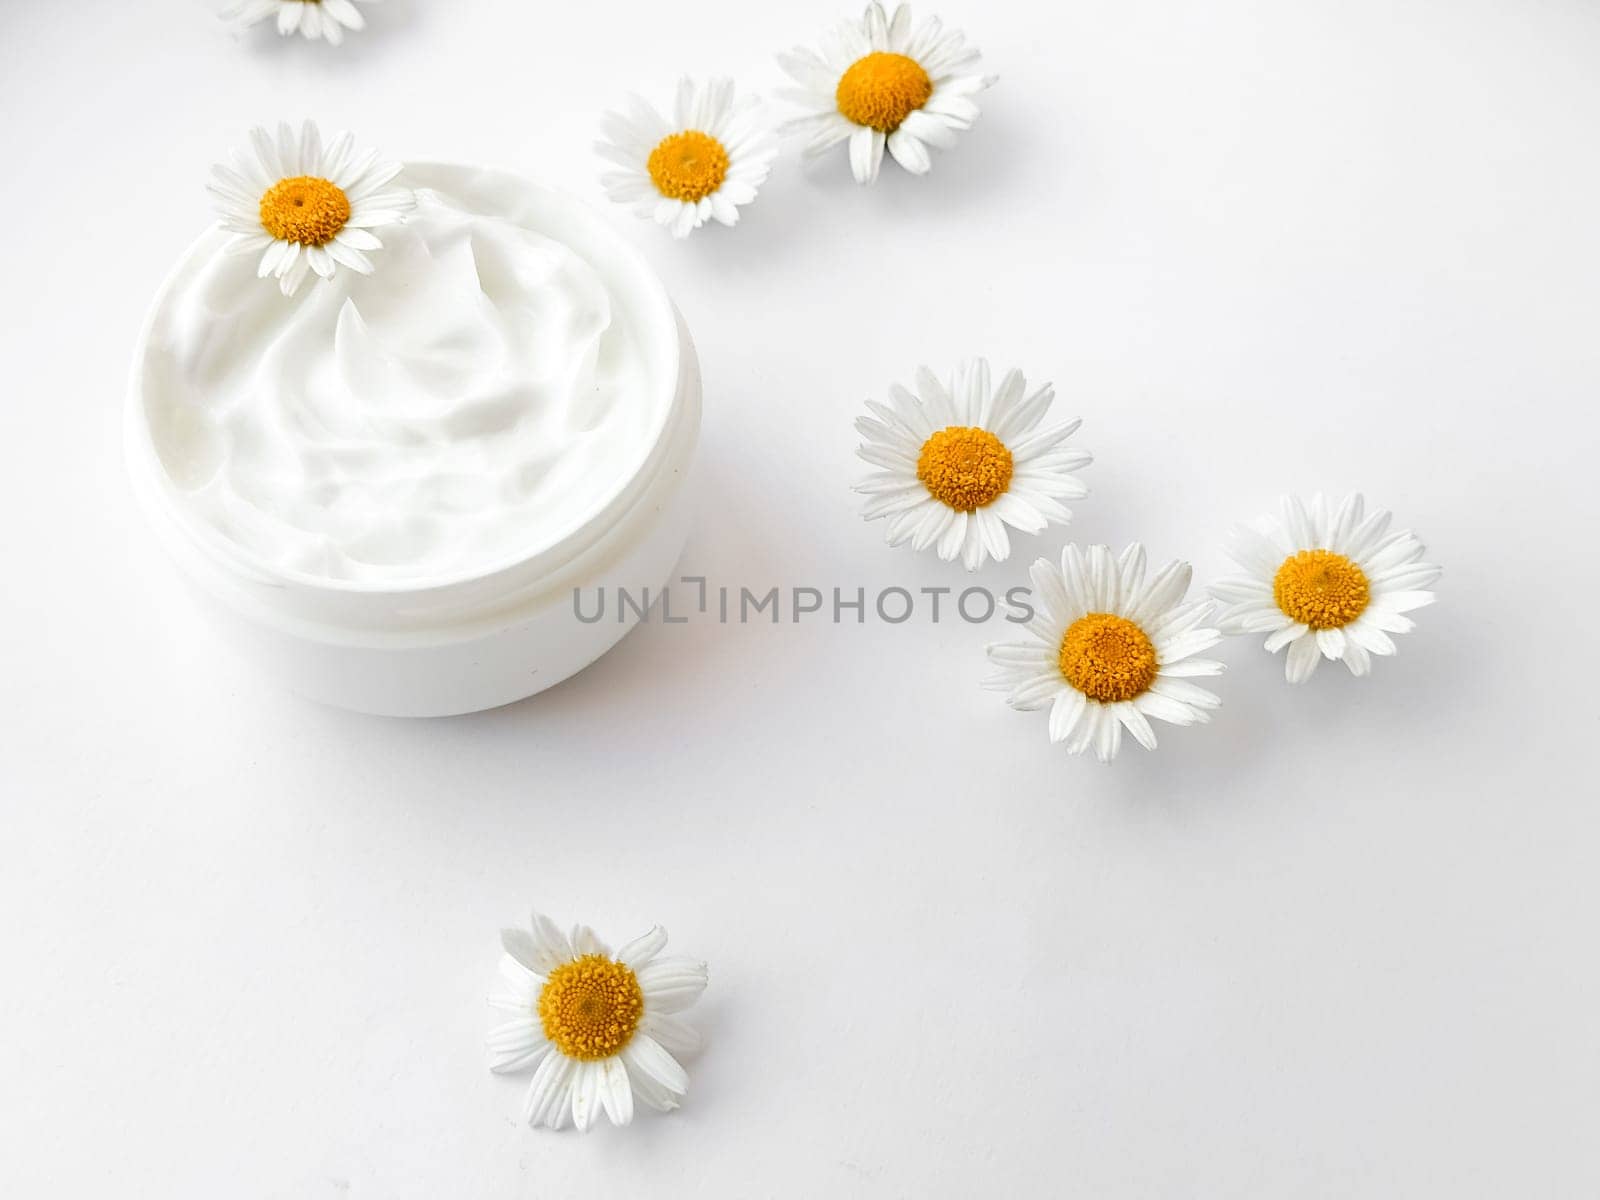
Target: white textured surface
[
  {"x": 461, "y": 411},
  {"x": 1339, "y": 943}
]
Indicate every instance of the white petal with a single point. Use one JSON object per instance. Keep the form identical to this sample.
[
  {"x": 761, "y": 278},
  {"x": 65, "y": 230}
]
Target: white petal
[
  {"x": 1241, "y": 590},
  {"x": 890, "y": 458},
  {"x": 1108, "y": 737},
  {"x": 291, "y": 277},
  {"x": 996, "y": 541},
  {"x": 1031, "y": 656},
  {"x": 810, "y": 71},
  {"x": 974, "y": 549},
  {"x": 586, "y": 941},
  {"x": 616, "y": 1091},
  {"x": 952, "y": 537},
  {"x": 900, "y": 29},
  {"x": 1065, "y": 713},
  {"x": 1083, "y": 734},
  {"x": 1373, "y": 641},
  {"x": 936, "y": 399},
  {"x": 1192, "y": 668},
  {"x": 1255, "y": 552},
  {"x": 877, "y": 27},
  {"x": 935, "y": 524},
  {"x": 1038, "y": 691},
  {"x": 587, "y": 1086},
  {"x": 909, "y": 152},
  {"x": 1384, "y": 619},
  {"x": 1396, "y": 550},
  {"x": 1357, "y": 659},
  {"x": 928, "y": 129},
  {"x": 1165, "y": 708},
  {"x": 1130, "y": 571},
  {"x": 1344, "y": 523},
  {"x": 828, "y": 134},
  {"x": 675, "y": 1036},
  {"x": 672, "y": 984},
  {"x": 546, "y": 1101},
  {"x": 321, "y": 261},
  {"x": 1400, "y": 602},
  {"x": 346, "y": 13},
  {"x": 1367, "y": 535},
  {"x": 271, "y": 258},
  {"x": 1185, "y": 692},
  {"x": 891, "y": 503},
  {"x": 1302, "y": 659},
  {"x": 348, "y": 256},
  {"x": 637, "y": 953},
  {"x": 1284, "y": 636},
  {"x": 903, "y": 526},
  {"x": 248, "y": 243},
  {"x": 505, "y": 1062},
  {"x": 1177, "y": 621},
  {"x": 1164, "y": 590},
  {"x": 1253, "y": 618},
  {"x": 647, "y": 1089},
  {"x": 310, "y": 149},
  {"x": 1135, "y": 723},
  {"x": 525, "y": 950},
  {"x": 1050, "y": 590},
  {"x": 1318, "y": 515},
  {"x": 971, "y": 389},
  {"x": 1103, "y": 580},
  {"x": 1332, "y": 643},
  {"x": 1176, "y": 649},
  {"x": 1297, "y": 523},
  {"x": 1407, "y": 578},
  {"x": 645, "y": 1055},
  {"x": 1075, "y": 578},
  {"x": 866, "y": 154}
]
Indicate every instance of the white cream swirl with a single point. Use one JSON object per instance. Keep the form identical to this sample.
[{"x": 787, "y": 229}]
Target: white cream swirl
[{"x": 476, "y": 397}]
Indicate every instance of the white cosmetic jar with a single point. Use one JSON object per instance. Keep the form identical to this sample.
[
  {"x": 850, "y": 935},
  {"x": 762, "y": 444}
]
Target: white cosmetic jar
[{"x": 470, "y": 639}]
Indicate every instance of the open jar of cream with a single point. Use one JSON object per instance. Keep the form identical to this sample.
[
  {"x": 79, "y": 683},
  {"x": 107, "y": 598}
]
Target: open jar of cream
[{"x": 388, "y": 489}]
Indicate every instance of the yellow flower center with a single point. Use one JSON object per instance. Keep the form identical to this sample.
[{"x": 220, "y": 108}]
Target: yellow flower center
[
  {"x": 305, "y": 209},
  {"x": 964, "y": 467},
  {"x": 590, "y": 1007},
  {"x": 1108, "y": 658},
  {"x": 1321, "y": 589},
  {"x": 882, "y": 90},
  {"x": 688, "y": 165}
]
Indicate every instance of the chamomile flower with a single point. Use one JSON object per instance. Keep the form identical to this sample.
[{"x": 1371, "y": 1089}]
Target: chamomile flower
[
  {"x": 881, "y": 83},
  {"x": 306, "y": 208},
  {"x": 1108, "y": 650},
  {"x": 598, "y": 1029},
  {"x": 1332, "y": 586},
  {"x": 312, "y": 19},
  {"x": 711, "y": 157},
  {"x": 958, "y": 464}
]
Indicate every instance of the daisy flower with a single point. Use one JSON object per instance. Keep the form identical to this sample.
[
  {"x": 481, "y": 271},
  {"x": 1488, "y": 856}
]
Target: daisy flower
[
  {"x": 881, "y": 83},
  {"x": 1108, "y": 650},
  {"x": 1325, "y": 586},
  {"x": 597, "y": 1028},
  {"x": 306, "y": 208},
  {"x": 312, "y": 18},
  {"x": 959, "y": 464},
  {"x": 711, "y": 158}
]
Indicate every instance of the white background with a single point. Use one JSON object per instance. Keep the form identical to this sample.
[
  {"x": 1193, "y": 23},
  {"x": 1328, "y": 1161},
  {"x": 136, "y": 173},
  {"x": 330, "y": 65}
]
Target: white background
[{"x": 1341, "y": 942}]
